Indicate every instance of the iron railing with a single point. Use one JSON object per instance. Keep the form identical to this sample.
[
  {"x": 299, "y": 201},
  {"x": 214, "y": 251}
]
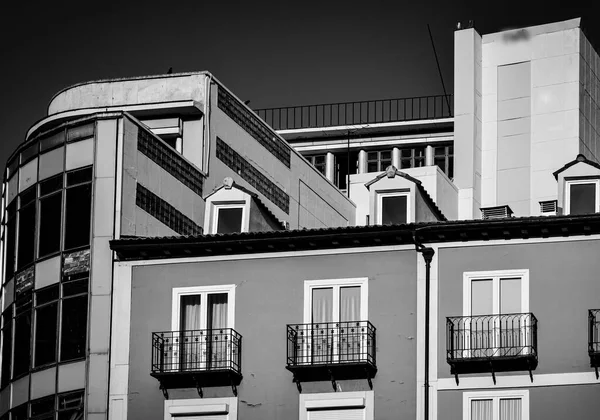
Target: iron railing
[
  {"x": 491, "y": 336},
  {"x": 196, "y": 351},
  {"x": 594, "y": 333},
  {"x": 331, "y": 343},
  {"x": 356, "y": 113}
]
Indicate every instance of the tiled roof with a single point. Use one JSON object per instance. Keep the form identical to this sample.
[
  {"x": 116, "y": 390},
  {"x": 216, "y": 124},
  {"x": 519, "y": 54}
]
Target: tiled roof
[
  {"x": 579, "y": 158},
  {"x": 134, "y": 248}
]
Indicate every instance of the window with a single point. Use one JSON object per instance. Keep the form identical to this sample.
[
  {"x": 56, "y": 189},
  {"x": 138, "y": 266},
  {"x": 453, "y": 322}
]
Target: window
[
  {"x": 74, "y": 319},
  {"x": 393, "y": 207},
  {"x": 582, "y": 196},
  {"x": 22, "y": 355},
  {"x": 228, "y": 218},
  {"x": 70, "y": 405},
  {"x": 201, "y": 408},
  {"x": 496, "y": 405},
  {"x": 42, "y": 409},
  {"x": 11, "y": 238},
  {"x": 50, "y": 220},
  {"x": 78, "y": 208},
  {"x": 203, "y": 312},
  {"x": 65, "y": 406},
  {"x": 344, "y": 304},
  {"x": 318, "y": 161},
  {"x": 443, "y": 156},
  {"x": 26, "y": 235},
  {"x": 498, "y": 302},
  {"x": 6, "y": 345},
  {"x": 359, "y": 405},
  {"x": 412, "y": 157},
  {"x": 46, "y": 325},
  {"x": 378, "y": 161}
]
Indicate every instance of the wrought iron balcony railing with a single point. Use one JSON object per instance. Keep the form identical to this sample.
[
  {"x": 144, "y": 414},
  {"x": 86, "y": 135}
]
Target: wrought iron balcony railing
[
  {"x": 482, "y": 343},
  {"x": 331, "y": 350},
  {"x": 357, "y": 113},
  {"x": 594, "y": 338},
  {"x": 211, "y": 357}
]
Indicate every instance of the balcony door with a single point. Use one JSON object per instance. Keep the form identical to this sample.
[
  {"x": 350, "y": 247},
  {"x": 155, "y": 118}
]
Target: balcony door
[
  {"x": 497, "y": 303},
  {"x": 203, "y": 318},
  {"x": 334, "y": 309}
]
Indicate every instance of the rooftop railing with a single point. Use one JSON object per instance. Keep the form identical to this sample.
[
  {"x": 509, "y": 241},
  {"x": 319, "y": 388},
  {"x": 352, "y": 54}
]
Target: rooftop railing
[{"x": 358, "y": 113}]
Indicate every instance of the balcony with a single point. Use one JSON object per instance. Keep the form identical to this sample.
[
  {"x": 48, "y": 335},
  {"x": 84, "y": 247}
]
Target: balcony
[
  {"x": 199, "y": 358},
  {"x": 331, "y": 351},
  {"x": 594, "y": 338},
  {"x": 492, "y": 343},
  {"x": 358, "y": 113}
]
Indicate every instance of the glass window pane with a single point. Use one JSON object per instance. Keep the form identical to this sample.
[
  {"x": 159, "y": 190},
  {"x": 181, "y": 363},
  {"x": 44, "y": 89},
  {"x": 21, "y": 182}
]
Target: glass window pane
[
  {"x": 189, "y": 312},
  {"x": 229, "y": 220},
  {"x": 19, "y": 413},
  {"x": 350, "y": 304},
  {"x": 78, "y": 216},
  {"x": 11, "y": 230},
  {"x": 372, "y": 166},
  {"x": 510, "y": 296},
  {"x": 45, "y": 334},
  {"x": 482, "y": 410},
  {"x": 74, "y": 328},
  {"x": 372, "y": 156},
  {"x": 482, "y": 297},
  {"x": 50, "y": 224},
  {"x": 583, "y": 198},
  {"x": 510, "y": 409},
  {"x": 42, "y": 406},
  {"x": 393, "y": 210},
  {"x": 22, "y": 343},
  {"x": 217, "y": 311},
  {"x": 6, "y": 347},
  {"x": 322, "y": 305},
  {"x": 75, "y": 287},
  {"x": 79, "y": 176},
  {"x": 26, "y": 236},
  {"x": 51, "y": 184}
]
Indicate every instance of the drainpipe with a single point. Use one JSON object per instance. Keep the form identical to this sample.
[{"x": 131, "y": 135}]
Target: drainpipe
[{"x": 427, "y": 256}]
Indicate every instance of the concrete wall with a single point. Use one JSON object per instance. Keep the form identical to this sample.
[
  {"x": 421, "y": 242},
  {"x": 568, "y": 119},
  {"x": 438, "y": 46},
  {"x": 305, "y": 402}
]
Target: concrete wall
[
  {"x": 589, "y": 100},
  {"x": 326, "y": 206},
  {"x": 511, "y": 174},
  {"x": 138, "y": 168},
  {"x": 561, "y": 291},
  {"x": 133, "y": 91},
  {"x": 577, "y": 402},
  {"x": 269, "y": 295}
]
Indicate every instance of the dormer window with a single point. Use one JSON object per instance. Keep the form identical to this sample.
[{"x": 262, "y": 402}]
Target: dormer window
[
  {"x": 228, "y": 218},
  {"x": 582, "y": 196},
  {"x": 393, "y": 208}
]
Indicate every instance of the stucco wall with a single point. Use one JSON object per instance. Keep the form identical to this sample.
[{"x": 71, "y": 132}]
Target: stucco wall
[
  {"x": 576, "y": 402},
  {"x": 269, "y": 295},
  {"x": 563, "y": 286}
]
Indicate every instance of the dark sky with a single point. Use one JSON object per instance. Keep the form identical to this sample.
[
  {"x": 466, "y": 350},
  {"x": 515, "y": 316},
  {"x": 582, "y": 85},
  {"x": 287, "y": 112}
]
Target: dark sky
[{"x": 274, "y": 53}]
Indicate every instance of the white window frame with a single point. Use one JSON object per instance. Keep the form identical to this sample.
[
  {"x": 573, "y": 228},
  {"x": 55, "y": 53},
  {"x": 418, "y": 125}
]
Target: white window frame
[
  {"x": 341, "y": 400},
  {"x": 203, "y": 291},
  {"x": 495, "y": 276},
  {"x": 336, "y": 284},
  {"x": 216, "y": 206},
  {"x": 385, "y": 194},
  {"x": 198, "y": 407},
  {"x": 568, "y": 185},
  {"x": 496, "y": 396}
]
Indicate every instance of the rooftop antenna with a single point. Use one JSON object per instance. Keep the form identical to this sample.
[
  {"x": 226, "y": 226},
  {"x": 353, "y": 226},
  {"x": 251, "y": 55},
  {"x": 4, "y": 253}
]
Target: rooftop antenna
[{"x": 439, "y": 71}]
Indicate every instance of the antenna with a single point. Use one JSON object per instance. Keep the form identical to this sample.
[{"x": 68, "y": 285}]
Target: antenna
[{"x": 439, "y": 70}]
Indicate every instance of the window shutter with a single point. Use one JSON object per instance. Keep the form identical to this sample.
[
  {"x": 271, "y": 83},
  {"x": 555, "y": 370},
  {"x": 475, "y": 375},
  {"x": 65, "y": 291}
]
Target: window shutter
[{"x": 343, "y": 414}]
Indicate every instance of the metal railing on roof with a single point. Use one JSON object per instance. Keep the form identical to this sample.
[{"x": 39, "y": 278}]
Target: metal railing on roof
[{"x": 358, "y": 113}]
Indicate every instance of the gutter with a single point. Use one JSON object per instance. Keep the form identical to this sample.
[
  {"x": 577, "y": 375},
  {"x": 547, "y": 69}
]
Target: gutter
[{"x": 428, "y": 254}]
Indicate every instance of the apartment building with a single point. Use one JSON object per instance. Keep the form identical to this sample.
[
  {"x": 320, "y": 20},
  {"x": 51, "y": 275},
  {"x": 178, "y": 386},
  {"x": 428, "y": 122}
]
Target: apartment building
[
  {"x": 168, "y": 252},
  {"x": 153, "y": 156}
]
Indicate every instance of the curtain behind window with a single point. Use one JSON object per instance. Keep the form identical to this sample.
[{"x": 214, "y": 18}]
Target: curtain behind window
[
  {"x": 220, "y": 339},
  {"x": 510, "y": 409},
  {"x": 482, "y": 409},
  {"x": 192, "y": 345}
]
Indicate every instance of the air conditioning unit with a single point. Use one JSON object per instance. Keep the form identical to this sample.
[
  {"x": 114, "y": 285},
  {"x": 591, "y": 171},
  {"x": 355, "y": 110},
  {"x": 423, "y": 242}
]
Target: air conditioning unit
[
  {"x": 498, "y": 212},
  {"x": 549, "y": 207}
]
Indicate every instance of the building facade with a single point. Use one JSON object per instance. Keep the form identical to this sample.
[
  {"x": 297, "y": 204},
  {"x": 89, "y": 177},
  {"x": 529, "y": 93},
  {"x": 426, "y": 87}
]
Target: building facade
[{"x": 168, "y": 252}]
